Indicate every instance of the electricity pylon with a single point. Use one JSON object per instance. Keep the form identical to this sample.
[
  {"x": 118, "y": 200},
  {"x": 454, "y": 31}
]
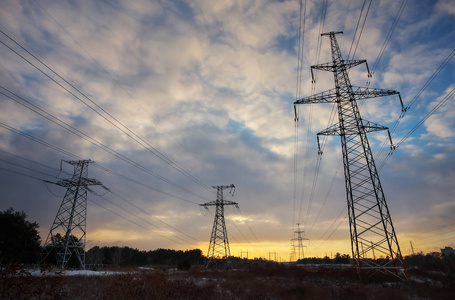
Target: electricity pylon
[
  {"x": 67, "y": 234},
  {"x": 292, "y": 256},
  {"x": 241, "y": 254},
  {"x": 219, "y": 244},
  {"x": 370, "y": 223},
  {"x": 270, "y": 256},
  {"x": 299, "y": 239}
]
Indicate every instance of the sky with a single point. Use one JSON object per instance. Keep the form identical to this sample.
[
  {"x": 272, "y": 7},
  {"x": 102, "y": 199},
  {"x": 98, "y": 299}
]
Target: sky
[{"x": 170, "y": 98}]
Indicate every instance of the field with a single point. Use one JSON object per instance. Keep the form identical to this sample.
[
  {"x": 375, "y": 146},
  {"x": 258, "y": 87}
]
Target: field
[{"x": 255, "y": 281}]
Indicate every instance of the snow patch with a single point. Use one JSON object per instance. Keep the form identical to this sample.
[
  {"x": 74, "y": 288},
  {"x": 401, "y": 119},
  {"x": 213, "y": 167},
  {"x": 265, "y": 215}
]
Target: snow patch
[{"x": 37, "y": 272}]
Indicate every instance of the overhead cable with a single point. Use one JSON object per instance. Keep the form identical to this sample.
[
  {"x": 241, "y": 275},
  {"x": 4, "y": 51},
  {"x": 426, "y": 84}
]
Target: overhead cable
[
  {"x": 91, "y": 140},
  {"x": 121, "y": 127}
]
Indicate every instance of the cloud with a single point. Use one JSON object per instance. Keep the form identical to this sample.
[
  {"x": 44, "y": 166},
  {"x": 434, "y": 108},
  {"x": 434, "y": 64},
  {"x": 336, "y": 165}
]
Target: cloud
[
  {"x": 210, "y": 86},
  {"x": 446, "y": 7},
  {"x": 440, "y": 124}
]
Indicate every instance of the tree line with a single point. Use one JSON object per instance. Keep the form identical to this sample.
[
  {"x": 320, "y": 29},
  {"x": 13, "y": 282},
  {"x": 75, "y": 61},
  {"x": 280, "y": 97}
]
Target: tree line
[
  {"x": 21, "y": 243},
  {"x": 126, "y": 256}
]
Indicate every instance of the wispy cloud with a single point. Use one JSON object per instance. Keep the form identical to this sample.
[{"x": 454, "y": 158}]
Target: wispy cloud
[{"x": 210, "y": 85}]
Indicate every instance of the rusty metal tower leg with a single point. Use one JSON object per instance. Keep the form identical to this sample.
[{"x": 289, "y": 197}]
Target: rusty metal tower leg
[{"x": 371, "y": 228}]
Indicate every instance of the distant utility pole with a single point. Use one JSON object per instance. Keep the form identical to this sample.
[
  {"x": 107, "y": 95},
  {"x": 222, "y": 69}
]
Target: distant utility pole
[
  {"x": 219, "y": 244},
  {"x": 274, "y": 253},
  {"x": 241, "y": 254},
  {"x": 67, "y": 234},
  {"x": 292, "y": 256},
  {"x": 369, "y": 218},
  {"x": 299, "y": 239}
]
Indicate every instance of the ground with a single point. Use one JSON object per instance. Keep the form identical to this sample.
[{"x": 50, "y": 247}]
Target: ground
[{"x": 255, "y": 281}]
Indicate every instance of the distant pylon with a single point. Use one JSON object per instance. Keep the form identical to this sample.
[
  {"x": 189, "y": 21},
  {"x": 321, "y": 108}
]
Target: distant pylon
[
  {"x": 270, "y": 256},
  {"x": 371, "y": 227},
  {"x": 68, "y": 232},
  {"x": 219, "y": 252},
  {"x": 299, "y": 239},
  {"x": 292, "y": 256}
]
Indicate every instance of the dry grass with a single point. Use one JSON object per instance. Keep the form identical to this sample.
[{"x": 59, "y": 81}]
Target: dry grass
[{"x": 267, "y": 281}]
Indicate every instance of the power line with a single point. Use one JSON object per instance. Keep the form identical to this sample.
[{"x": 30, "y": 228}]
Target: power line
[
  {"x": 361, "y": 30},
  {"x": 156, "y": 219},
  {"x": 59, "y": 149},
  {"x": 240, "y": 212},
  {"x": 123, "y": 128},
  {"x": 431, "y": 78},
  {"x": 39, "y": 141},
  {"x": 337, "y": 221},
  {"x": 309, "y": 129},
  {"x": 25, "y": 175},
  {"x": 101, "y": 196},
  {"x": 32, "y": 161},
  {"x": 133, "y": 222},
  {"x": 252, "y": 232},
  {"x": 302, "y": 22},
  {"x": 27, "y": 168},
  {"x": 140, "y": 218},
  {"x": 91, "y": 140},
  {"x": 322, "y": 18},
  {"x": 142, "y": 184},
  {"x": 429, "y": 114},
  {"x": 118, "y": 83},
  {"x": 438, "y": 238},
  {"x": 415, "y": 98},
  {"x": 329, "y": 189},
  {"x": 416, "y": 126},
  {"x": 389, "y": 35},
  {"x": 313, "y": 188},
  {"x": 319, "y": 43},
  {"x": 356, "y": 28},
  {"x": 438, "y": 228}
]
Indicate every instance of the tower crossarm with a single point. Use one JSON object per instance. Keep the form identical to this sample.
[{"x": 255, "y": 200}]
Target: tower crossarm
[
  {"x": 224, "y": 186},
  {"x": 300, "y": 239},
  {"x": 361, "y": 93},
  {"x": 83, "y": 182},
  {"x": 331, "y": 67},
  {"x": 331, "y": 33},
  {"x": 352, "y": 129},
  {"x": 214, "y": 203},
  {"x": 334, "y": 95},
  {"x": 328, "y": 96}
]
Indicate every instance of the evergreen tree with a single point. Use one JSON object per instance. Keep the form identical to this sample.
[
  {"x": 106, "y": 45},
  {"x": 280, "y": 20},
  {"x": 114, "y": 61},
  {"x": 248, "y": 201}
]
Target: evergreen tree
[{"x": 19, "y": 238}]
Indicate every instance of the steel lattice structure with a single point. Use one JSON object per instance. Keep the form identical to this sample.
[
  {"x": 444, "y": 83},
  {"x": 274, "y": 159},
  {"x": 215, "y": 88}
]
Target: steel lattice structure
[
  {"x": 219, "y": 251},
  {"x": 371, "y": 229},
  {"x": 68, "y": 232},
  {"x": 299, "y": 239}
]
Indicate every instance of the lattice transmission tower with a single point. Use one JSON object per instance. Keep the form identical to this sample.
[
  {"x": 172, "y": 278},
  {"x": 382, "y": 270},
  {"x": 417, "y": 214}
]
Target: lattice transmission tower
[
  {"x": 219, "y": 252},
  {"x": 299, "y": 239},
  {"x": 67, "y": 234},
  {"x": 371, "y": 229}
]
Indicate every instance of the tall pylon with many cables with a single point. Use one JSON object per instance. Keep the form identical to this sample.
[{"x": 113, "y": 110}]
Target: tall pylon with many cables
[
  {"x": 371, "y": 228},
  {"x": 68, "y": 232},
  {"x": 219, "y": 252},
  {"x": 299, "y": 239}
]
